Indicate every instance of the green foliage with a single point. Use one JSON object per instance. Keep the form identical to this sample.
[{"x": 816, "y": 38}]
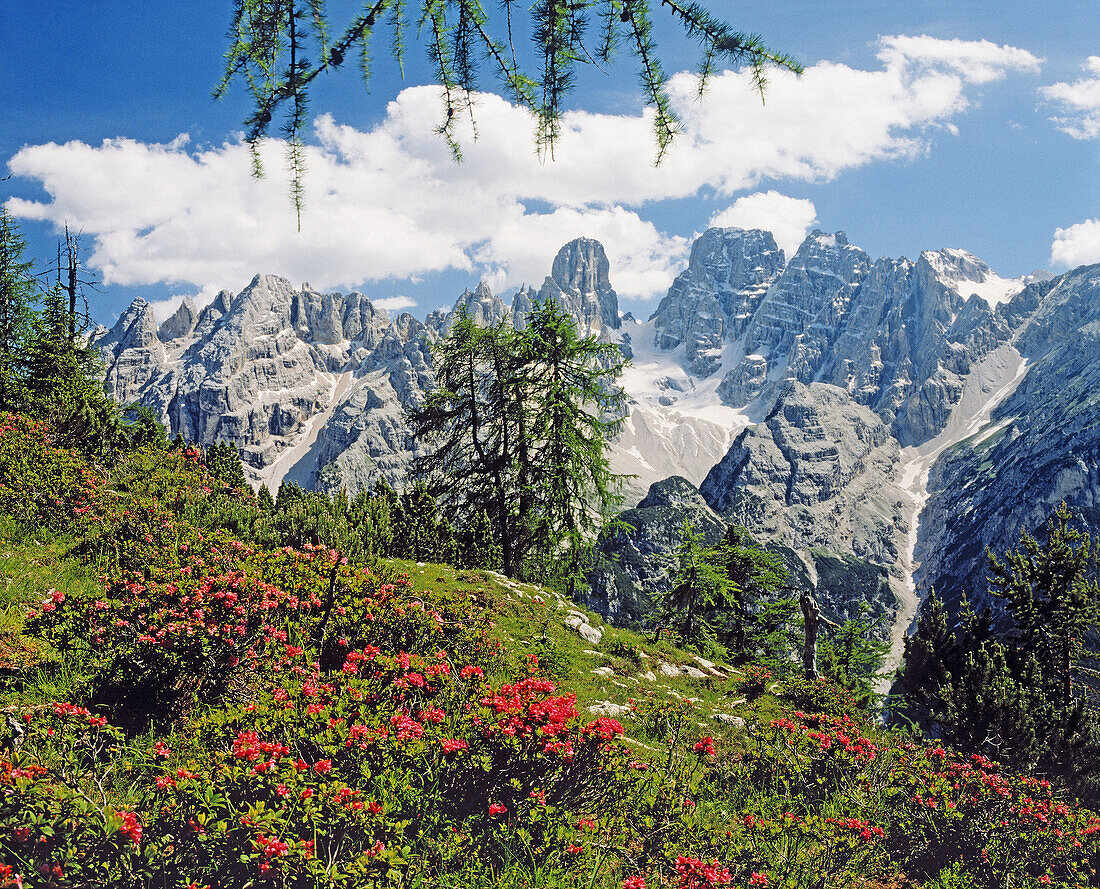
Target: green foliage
[
  {"x": 271, "y": 44},
  {"x": 18, "y": 292},
  {"x": 760, "y": 620},
  {"x": 1048, "y": 591},
  {"x": 734, "y": 593},
  {"x": 64, "y": 389},
  {"x": 821, "y": 695},
  {"x": 699, "y": 585},
  {"x": 852, "y": 657},
  {"x": 518, "y": 430},
  {"x": 223, "y": 462},
  {"x": 264, "y": 499},
  {"x": 259, "y": 714},
  {"x": 418, "y": 530},
  {"x": 475, "y": 546},
  {"x": 1014, "y": 698}
]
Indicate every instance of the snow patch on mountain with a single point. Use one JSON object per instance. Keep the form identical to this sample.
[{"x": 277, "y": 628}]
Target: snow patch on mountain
[{"x": 990, "y": 382}]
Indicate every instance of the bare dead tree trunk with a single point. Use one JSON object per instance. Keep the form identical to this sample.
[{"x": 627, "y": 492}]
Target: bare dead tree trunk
[{"x": 811, "y": 613}]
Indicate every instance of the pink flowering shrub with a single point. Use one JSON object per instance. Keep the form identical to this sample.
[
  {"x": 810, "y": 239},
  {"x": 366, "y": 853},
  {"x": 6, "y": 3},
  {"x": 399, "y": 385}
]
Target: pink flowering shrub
[
  {"x": 40, "y": 483},
  {"x": 250, "y": 715},
  {"x": 754, "y": 681}
]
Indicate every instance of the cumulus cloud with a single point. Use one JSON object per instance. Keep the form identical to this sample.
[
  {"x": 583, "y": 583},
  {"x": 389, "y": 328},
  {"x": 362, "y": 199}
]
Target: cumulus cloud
[
  {"x": 395, "y": 303},
  {"x": 1079, "y": 102},
  {"x": 787, "y": 218},
  {"x": 390, "y": 203},
  {"x": 975, "y": 61},
  {"x": 1077, "y": 245}
]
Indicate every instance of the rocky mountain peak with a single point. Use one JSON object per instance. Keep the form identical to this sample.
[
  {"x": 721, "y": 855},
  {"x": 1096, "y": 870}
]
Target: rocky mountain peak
[
  {"x": 485, "y": 308},
  {"x": 673, "y": 491},
  {"x": 131, "y": 349},
  {"x": 180, "y": 323},
  {"x": 580, "y": 284},
  {"x": 582, "y": 266},
  {"x": 712, "y": 301}
]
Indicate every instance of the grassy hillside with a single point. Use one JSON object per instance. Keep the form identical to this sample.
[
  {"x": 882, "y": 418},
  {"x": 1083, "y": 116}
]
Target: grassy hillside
[{"x": 186, "y": 704}]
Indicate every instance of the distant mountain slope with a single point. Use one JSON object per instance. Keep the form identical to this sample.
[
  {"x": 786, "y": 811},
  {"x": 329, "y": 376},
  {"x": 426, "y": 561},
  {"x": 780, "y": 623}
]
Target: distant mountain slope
[{"x": 901, "y": 413}]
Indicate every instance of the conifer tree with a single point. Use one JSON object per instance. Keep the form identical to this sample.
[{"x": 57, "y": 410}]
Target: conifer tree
[
  {"x": 17, "y": 297},
  {"x": 223, "y": 461},
  {"x": 518, "y": 427},
  {"x": 1011, "y": 694},
  {"x": 64, "y": 385},
  {"x": 288, "y": 494},
  {"x": 756, "y": 619},
  {"x": 930, "y": 657},
  {"x": 852, "y": 657},
  {"x": 1048, "y": 590},
  {"x": 264, "y": 499},
  {"x": 577, "y": 412},
  {"x": 279, "y": 48},
  {"x": 699, "y": 585}
]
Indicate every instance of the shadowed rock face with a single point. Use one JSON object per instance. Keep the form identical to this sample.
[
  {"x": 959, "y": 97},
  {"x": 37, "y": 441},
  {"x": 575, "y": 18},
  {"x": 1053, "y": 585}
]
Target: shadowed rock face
[{"x": 1040, "y": 448}]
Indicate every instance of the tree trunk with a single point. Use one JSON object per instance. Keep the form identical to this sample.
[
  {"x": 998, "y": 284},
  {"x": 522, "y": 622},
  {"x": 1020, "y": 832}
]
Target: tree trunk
[{"x": 811, "y": 613}]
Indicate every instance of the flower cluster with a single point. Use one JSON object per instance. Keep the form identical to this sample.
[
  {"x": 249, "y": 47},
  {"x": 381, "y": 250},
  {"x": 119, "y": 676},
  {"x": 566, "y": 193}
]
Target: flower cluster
[{"x": 697, "y": 874}]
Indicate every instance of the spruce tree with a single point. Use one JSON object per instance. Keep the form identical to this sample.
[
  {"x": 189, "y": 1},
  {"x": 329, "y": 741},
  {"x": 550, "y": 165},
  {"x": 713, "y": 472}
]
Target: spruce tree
[
  {"x": 757, "y": 618},
  {"x": 1011, "y": 693},
  {"x": 1051, "y": 592},
  {"x": 698, "y": 586},
  {"x": 17, "y": 297},
  {"x": 64, "y": 385},
  {"x": 264, "y": 499},
  {"x": 852, "y": 657}
]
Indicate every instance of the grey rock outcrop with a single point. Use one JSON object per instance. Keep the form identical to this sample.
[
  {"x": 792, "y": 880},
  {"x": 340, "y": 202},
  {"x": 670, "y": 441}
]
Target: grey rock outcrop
[
  {"x": 181, "y": 322},
  {"x": 817, "y": 475},
  {"x": 131, "y": 351},
  {"x": 267, "y": 369},
  {"x": 712, "y": 301},
  {"x": 1040, "y": 448},
  {"x": 579, "y": 283},
  {"x": 314, "y": 387},
  {"x": 797, "y": 319}
]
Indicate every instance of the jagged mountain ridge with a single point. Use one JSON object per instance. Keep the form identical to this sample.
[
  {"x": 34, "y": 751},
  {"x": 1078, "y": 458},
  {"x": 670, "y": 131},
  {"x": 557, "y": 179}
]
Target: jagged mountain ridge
[{"x": 313, "y": 387}]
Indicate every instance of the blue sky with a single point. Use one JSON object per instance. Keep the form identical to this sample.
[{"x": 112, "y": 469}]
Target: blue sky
[{"x": 916, "y": 126}]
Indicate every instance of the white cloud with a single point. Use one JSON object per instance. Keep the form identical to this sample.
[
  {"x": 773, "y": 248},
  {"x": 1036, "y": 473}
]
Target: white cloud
[
  {"x": 390, "y": 202},
  {"x": 976, "y": 61},
  {"x": 787, "y": 218},
  {"x": 1077, "y": 245},
  {"x": 1080, "y": 102},
  {"x": 395, "y": 303}
]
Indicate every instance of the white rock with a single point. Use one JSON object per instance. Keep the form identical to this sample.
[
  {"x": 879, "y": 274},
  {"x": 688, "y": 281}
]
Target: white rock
[{"x": 607, "y": 708}]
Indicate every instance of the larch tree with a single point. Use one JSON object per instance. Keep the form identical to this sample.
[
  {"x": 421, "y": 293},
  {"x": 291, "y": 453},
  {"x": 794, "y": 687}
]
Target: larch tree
[
  {"x": 279, "y": 48},
  {"x": 519, "y": 427}
]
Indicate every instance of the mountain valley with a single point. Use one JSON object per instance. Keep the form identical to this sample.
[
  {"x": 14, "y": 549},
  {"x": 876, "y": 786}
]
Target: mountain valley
[{"x": 879, "y": 422}]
